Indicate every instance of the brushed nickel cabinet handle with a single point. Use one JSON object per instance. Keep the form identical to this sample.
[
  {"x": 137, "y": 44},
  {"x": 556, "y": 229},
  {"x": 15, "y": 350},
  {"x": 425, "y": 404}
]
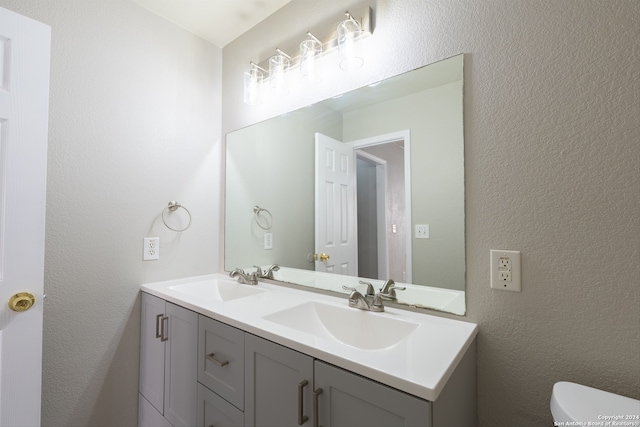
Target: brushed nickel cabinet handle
[
  {"x": 301, "y": 417},
  {"x": 216, "y": 361},
  {"x": 316, "y": 415},
  {"x": 163, "y": 329},
  {"x": 158, "y": 334}
]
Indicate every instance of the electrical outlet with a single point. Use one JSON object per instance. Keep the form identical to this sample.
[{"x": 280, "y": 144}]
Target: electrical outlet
[
  {"x": 151, "y": 248},
  {"x": 422, "y": 231},
  {"x": 505, "y": 270},
  {"x": 504, "y": 275}
]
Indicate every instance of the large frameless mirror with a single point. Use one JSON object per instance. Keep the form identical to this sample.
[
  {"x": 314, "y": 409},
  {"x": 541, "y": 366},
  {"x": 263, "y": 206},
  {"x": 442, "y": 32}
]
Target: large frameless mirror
[{"x": 366, "y": 185}]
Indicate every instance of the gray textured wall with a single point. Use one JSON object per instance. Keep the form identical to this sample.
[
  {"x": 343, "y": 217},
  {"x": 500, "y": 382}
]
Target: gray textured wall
[
  {"x": 552, "y": 158},
  {"x": 551, "y": 107},
  {"x": 134, "y": 122}
]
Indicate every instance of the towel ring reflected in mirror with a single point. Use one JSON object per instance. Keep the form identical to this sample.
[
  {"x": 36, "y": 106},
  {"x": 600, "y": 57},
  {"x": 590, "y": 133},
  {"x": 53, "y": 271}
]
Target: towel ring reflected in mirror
[
  {"x": 172, "y": 207},
  {"x": 267, "y": 221}
]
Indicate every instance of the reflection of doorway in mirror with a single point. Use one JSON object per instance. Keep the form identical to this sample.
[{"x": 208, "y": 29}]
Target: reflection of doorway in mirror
[
  {"x": 380, "y": 200},
  {"x": 384, "y": 210}
]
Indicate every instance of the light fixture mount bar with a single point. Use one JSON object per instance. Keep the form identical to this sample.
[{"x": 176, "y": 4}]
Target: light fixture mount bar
[{"x": 253, "y": 64}]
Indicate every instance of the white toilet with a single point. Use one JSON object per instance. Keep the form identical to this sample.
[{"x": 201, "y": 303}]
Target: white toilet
[{"x": 573, "y": 403}]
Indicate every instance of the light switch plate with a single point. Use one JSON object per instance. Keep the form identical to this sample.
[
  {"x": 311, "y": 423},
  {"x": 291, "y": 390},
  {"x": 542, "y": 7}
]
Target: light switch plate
[
  {"x": 422, "y": 231},
  {"x": 268, "y": 241}
]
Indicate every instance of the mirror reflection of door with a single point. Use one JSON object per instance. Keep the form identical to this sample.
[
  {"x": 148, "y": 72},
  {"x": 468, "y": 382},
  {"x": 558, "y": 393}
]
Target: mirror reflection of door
[
  {"x": 362, "y": 219},
  {"x": 335, "y": 211}
]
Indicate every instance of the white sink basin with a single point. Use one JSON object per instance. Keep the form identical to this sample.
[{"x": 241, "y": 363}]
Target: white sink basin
[
  {"x": 357, "y": 328},
  {"x": 216, "y": 290}
]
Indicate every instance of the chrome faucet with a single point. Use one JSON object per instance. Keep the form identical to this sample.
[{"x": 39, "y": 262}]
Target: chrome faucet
[
  {"x": 268, "y": 273},
  {"x": 389, "y": 288},
  {"x": 248, "y": 279},
  {"x": 359, "y": 301},
  {"x": 370, "y": 290}
]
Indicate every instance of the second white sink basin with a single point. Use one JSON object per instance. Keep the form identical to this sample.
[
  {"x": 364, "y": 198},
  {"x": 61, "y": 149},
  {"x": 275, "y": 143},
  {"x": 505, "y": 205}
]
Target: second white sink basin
[
  {"x": 216, "y": 290},
  {"x": 357, "y": 328}
]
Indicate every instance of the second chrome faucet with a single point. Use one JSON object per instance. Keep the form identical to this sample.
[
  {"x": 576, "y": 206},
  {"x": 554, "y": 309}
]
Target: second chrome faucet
[
  {"x": 360, "y": 301},
  {"x": 252, "y": 278}
]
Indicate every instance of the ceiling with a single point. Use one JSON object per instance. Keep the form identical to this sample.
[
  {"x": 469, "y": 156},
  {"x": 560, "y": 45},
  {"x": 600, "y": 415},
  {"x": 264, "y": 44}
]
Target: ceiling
[{"x": 218, "y": 21}]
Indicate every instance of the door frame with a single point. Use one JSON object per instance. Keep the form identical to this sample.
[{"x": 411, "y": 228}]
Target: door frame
[{"x": 405, "y": 136}]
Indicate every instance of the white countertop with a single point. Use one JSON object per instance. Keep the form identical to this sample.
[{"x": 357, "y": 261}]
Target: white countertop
[{"x": 419, "y": 365}]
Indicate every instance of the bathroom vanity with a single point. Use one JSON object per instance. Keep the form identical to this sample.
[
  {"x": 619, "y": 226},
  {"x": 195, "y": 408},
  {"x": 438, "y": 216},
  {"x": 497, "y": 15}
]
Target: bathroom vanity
[{"x": 215, "y": 352}]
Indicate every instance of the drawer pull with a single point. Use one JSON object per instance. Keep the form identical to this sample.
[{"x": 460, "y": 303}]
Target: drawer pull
[
  {"x": 301, "y": 418},
  {"x": 316, "y": 415},
  {"x": 216, "y": 361}
]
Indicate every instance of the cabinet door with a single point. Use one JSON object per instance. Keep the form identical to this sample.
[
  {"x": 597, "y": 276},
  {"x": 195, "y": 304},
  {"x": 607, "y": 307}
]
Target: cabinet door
[
  {"x": 275, "y": 379},
  {"x": 180, "y": 370},
  {"x": 215, "y": 411},
  {"x": 148, "y": 416},
  {"x": 221, "y": 359},
  {"x": 350, "y": 400},
  {"x": 152, "y": 351}
]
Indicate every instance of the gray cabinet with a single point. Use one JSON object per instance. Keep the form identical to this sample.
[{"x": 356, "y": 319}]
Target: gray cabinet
[
  {"x": 221, "y": 360},
  {"x": 345, "y": 399},
  {"x": 278, "y": 385},
  {"x": 281, "y": 385},
  {"x": 196, "y": 371},
  {"x": 168, "y": 357}
]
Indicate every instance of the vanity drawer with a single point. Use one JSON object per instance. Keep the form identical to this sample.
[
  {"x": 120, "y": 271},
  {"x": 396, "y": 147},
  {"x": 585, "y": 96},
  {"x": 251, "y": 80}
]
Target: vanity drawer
[
  {"x": 215, "y": 411},
  {"x": 221, "y": 360}
]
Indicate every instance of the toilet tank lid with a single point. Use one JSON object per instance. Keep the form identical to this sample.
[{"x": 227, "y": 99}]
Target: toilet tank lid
[{"x": 579, "y": 403}]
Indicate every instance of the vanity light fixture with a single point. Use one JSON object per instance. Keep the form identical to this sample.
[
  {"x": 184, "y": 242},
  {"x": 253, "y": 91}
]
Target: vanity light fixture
[
  {"x": 349, "y": 31},
  {"x": 253, "y": 79},
  {"x": 278, "y": 67},
  {"x": 310, "y": 50},
  {"x": 342, "y": 37}
]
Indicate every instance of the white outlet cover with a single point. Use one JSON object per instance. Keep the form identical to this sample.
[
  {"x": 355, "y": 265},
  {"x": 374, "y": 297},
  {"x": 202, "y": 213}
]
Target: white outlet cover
[
  {"x": 515, "y": 284},
  {"x": 151, "y": 249}
]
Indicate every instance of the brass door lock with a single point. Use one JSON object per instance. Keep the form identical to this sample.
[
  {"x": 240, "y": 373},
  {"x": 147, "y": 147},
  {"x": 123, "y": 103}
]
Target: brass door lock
[{"x": 21, "y": 301}]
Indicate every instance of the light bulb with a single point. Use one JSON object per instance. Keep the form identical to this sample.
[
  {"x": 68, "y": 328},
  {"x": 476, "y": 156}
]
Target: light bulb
[{"x": 348, "y": 33}]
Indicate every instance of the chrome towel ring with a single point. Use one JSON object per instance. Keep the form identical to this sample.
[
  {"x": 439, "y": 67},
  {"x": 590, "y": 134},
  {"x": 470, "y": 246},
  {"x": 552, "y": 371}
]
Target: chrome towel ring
[
  {"x": 268, "y": 221},
  {"x": 172, "y": 207}
]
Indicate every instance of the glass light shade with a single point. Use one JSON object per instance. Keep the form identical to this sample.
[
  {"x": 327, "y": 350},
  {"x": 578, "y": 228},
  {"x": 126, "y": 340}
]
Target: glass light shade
[
  {"x": 253, "y": 79},
  {"x": 310, "y": 50},
  {"x": 278, "y": 68},
  {"x": 348, "y": 33}
]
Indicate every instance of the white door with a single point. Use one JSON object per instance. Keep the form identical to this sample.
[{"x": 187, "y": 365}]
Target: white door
[
  {"x": 24, "y": 102},
  {"x": 335, "y": 224}
]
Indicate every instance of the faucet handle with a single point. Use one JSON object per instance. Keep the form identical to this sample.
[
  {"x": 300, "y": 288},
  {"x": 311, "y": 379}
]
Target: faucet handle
[
  {"x": 235, "y": 272},
  {"x": 370, "y": 290},
  {"x": 355, "y": 294},
  {"x": 258, "y": 270},
  {"x": 389, "y": 289}
]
